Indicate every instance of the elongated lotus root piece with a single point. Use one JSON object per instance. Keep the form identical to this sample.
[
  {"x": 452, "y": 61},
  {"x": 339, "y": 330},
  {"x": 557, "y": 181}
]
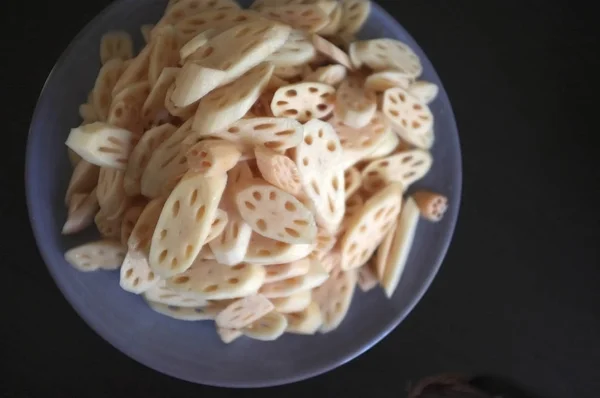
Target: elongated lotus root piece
[
  {"x": 165, "y": 52},
  {"x": 334, "y": 298},
  {"x": 243, "y": 312},
  {"x": 279, "y": 272},
  {"x": 101, "y": 144},
  {"x": 331, "y": 75},
  {"x": 182, "y": 313},
  {"x": 401, "y": 246},
  {"x": 267, "y": 251},
  {"x": 404, "y": 167},
  {"x": 103, "y": 254},
  {"x": 81, "y": 215},
  {"x": 217, "y": 226},
  {"x": 383, "y": 252},
  {"x": 352, "y": 181},
  {"x": 432, "y": 205},
  {"x": 126, "y": 108},
  {"x": 354, "y": 105},
  {"x": 228, "y": 104},
  {"x": 219, "y": 20},
  {"x": 367, "y": 279},
  {"x": 195, "y": 43},
  {"x": 279, "y": 170},
  {"x": 215, "y": 281},
  {"x": 411, "y": 118},
  {"x": 136, "y": 71},
  {"x": 83, "y": 180},
  {"x": 105, "y": 82},
  {"x": 303, "y": 101},
  {"x": 325, "y": 242},
  {"x": 258, "y": 4},
  {"x": 110, "y": 192},
  {"x": 331, "y": 51},
  {"x": 130, "y": 218},
  {"x": 381, "y": 81},
  {"x": 116, "y": 45},
  {"x": 109, "y": 227},
  {"x": 136, "y": 276},
  {"x": 317, "y": 158},
  {"x": 213, "y": 157},
  {"x": 297, "y": 50},
  {"x": 185, "y": 112},
  {"x": 287, "y": 287},
  {"x": 194, "y": 82},
  {"x": 331, "y": 260},
  {"x": 387, "y": 54},
  {"x": 268, "y": 328},
  {"x": 426, "y": 92},
  {"x": 308, "y": 17},
  {"x": 177, "y": 11},
  {"x": 146, "y": 30},
  {"x": 154, "y": 105},
  {"x": 306, "y": 322},
  {"x": 288, "y": 72},
  {"x": 160, "y": 293},
  {"x": 354, "y": 15},
  {"x": 293, "y": 303},
  {"x": 185, "y": 222},
  {"x": 275, "y": 214}
]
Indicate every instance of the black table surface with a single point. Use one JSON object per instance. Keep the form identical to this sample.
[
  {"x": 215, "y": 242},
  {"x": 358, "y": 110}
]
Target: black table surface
[{"x": 518, "y": 295}]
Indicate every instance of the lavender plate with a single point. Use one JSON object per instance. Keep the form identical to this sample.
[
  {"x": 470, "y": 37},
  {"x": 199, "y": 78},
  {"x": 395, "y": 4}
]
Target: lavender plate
[{"x": 191, "y": 350}]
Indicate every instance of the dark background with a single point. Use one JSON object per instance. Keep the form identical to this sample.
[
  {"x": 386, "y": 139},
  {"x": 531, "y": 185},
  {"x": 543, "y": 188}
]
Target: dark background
[{"x": 518, "y": 295}]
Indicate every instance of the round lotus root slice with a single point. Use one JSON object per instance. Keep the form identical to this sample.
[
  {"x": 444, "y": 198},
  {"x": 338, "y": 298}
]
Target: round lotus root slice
[
  {"x": 136, "y": 276},
  {"x": 367, "y": 229},
  {"x": 308, "y": 17},
  {"x": 268, "y": 328},
  {"x": 136, "y": 71},
  {"x": 426, "y": 92},
  {"x": 334, "y": 298},
  {"x": 214, "y": 281},
  {"x": 352, "y": 181},
  {"x": 213, "y": 157},
  {"x": 83, "y": 180},
  {"x": 267, "y": 251},
  {"x": 278, "y": 170},
  {"x": 294, "y": 303},
  {"x": 102, "y": 144},
  {"x": 367, "y": 279},
  {"x": 218, "y": 226},
  {"x": 275, "y": 214},
  {"x": 354, "y": 15},
  {"x": 185, "y": 222},
  {"x": 305, "y": 322},
  {"x": 404, "y": 167},
  {"x": 116, "y": 45},
  {"x": 154, "y": 105},
  {"x": 303, "y": 101},
  {"x": 278, "y": 272},
  {"x": 432, "y": 205},
  {"x": 297, "y": 50},
  {"x": 102, "y": 254},
  {"x": 228, "y": 336},
  {"x": 228, "y": 104},
  {"x": 354, "y": 106},
  {"x": 411, "y": 118},
  {"x": 331, "y": 75},
  {"x": 105, "y": 83},
  {"x": 381, "y": 81},
  {"x": 243, "y": 312},
  {"x": 315, "y": 277},
  {"x": 387, "y": 54},
  {"x": 331, "y": 51}
]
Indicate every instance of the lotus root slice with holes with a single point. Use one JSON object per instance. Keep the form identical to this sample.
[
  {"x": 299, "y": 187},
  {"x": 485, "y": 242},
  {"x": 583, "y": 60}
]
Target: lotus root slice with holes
[
  {"x": 278, "y": 170},
  {"x": 275, "y": 213},
  {"x": 103, "y": 87},
  {"x": 141, "y": 235},
  {"x": 432, "y": 205},
  {"x": 334, "y": 298},
  {"x": 81, "y": 214},
  {"x": 103, "y": 254},
  {"x": 230, "y": 247},
  {"x": 426, "y": 92},
  {"x": 182, "y": 313},
  {"x": 116, "y": 45},
  {"x": 331, "y": 51},
  {"x": 354, "y": 15},
  {"x": 294, "y": 303},
  {"x": 154, "y": 104},
  {"x": 243, "y": 312},
  {"x": 352, "y": 181},
  {"x": 268, "y": 328},
  {"x": 267, "y": 251},
  {"x": 287, "y": 287},
  {"x": 331, "y": 75},
  {"x": 307, "y": 321},
  {"x": 185, "y": 223},
  {"x": 136, "y": 276},
  {"x": 303, "y": 101},
  {"x": 404, "y": 167},
  {"x": 331, "y": 261},
  {"x": 388, "y": 54},
  {"x": 213, "y": 157},
  {"x": 308, "y": 17},
  {"x": 135, "y": 71},
  {"x": 217, "y": 226},
  {"x": 228, "y": 336},
  {"x": 101, "y": 144},
  {"x": 129, "y": 220},
  {"x": 411, "y": 118},
  {"x": 368, "y": 228},
  {"x": 160, "y": 293},
  {"x": 367, "y": 279},
  {"x": 297, "y": 50},
  {"x": 278, "y": 272},
  {"x": 381, "y": 81},
  {"x": 194, "y": 82},
  {"x": 355, "y": 106}
]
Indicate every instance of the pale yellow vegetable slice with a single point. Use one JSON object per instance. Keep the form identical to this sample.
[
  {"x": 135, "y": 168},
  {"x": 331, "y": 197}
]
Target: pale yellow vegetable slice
[
  {"x": 218, "y": 226},
  {"x": 88, "y": 113},
  {"x": 331, "y": 260},
  {"x": 101, "y": 144},
  {"x": 303, "y": 101},
  {"x": 411, "y": 118},
  {"x": 331, "y": 75},
  {"x": 146, "y": 31},
  {"x": 182, "y": 313},
  {"x": 130, "y": 218},
  {"x": 401, "y": 246},
  {"x": 432, "y": 205},
  {"x": 308, "y": 17},
  {"x": 165, "y": 52},
  {"x": 331, "y": 51},
  {"x": 354, "y": 105},
  {"x": 367, "y": 279},
  {"x": 386, "y": 54},
  {"x": 195, "y": 43},
  {"x": 185, "y": 112},
  {"x": 136, "y": 276},
  {"x": 136, "y": 71},
  {"x": 278, "y": 170},
  {"x": 294, "y": 303},
  {"x": 297, "y": 50},
  {"x": 214, "y": 281},
  {"x": 383, "y": 251},
  {"x": 389, "y": 144},
  {"x": 81, "y": 214},
  {"x": 267, "y": 251},
  {"x": 213, "y": 157},
  {"x": 258, "y": 4},
  {"x": 268, "y": 328},
  {"x": 126, "y": 108},
  {"x": 160, "y": 293},
  {"x": 243, "y": 312},
  {"x": 307, "y": 321},
  {"x": 404, "y": 167},
  {"x": 335, "y": 21},
  {"x": 381, "y": 81},
  {"x": 279, "y": 272},
  {"x": 367, "y": 229},
  {"x": 334, "y": 298},
  {"x": 107, "y": 78},
  {"x": 83, "y": 180},
  {"x": 111, "y": 193},
  {"x": 154, "y": 106},
  {"x": 288, "y": 72},
  {"x": 116, "y": 45},
  {"x": 194, "y": 82},
  {"x": 103, "y": 254},
  {"x": 185, "y": 222},
  {"x": 352, "y": 181},
  {"x": 109, "y": 227},
  {"x": 325, "y": 242},
  {"x": 141, "y": 235},
  {"x": 315, "y": 276},
  {"x": 228, "y": 336},
  {"x": 177, "y": 11},
  {"x": 220, "y": 20},
  {"x": 354, "y": 15},
  {"x": 426, "y": 92}
]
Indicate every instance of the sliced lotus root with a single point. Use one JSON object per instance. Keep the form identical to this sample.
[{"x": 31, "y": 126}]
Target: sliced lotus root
[
  {"x": 352, "y": 181},
  {"x": 268, "y": 328},
  {"x": 331, "y": 51},
  {"x": 165, "y": 52},
  {"x": 303, "y": 101},
  {"x": 288, "y": 72},
  {"x": 381, "y": 81},
  {"x": 331, "y": 75},
  {"x": 126, "y": 108},
  {"x": 82, "y": 210},
  {"x": 325, "y": 242},
  {"x": 331, "y": 260},
  {"x": 213, "y": 157},
  {"x": 354, "y": 106},
  {"x": 141, "y": 235},
  {"x": 297, "y": 50},
  {"x": 105, "y": 82},
  {"x": 243, "y": 312},
  {"x": 177, "y": 11},
  {"x": 354, "y": 15},
  {"x": 102, "y": 254},
  {"x": 87, "y": 112},
  {"x": 160, "y": 293},
  {"x": 229, "y": 335},
  {"x": 305, "y": 322},
  {"x": 146, "y": 31},
  {"x": 432, "y": 205},
  {"x": 83, "y": 180},
  {"x": 182, "y": 313},
  {"x": 294, "y": 303},
  {"x": 334, "y": 298},
  {"x": 109, "y": 227},
  {"x": 228, "y": 104},
  {"x": 101, "y": 144},
  {"x": 317, "y": 158},
  {"x": 195, "y": 43},
  {"x": 116, "y": 45},
  {"x": 136, "y": 71},
  {"x": 315, "y": 276},
  {"x": 387, "y": 54},
  {"x": 279, "y": 272},
  {"x": 389, "y": 144},
  {"x": 130, "y": 218},
  {"x": 194, "y": 82},
  {"x": 154, "y": 106},
  {"x": 275, "y": 214},
  {"x": 140, "y": 156},
  {"x": 267, "y": 251},
  {"x": 353, "y": 205},
  {"x": 258, "y": 4},
  {"x": 110, "y": 192},
  {"x": 424, "y": 91},
  {"x": 411, "y": 118},
  {"x": 219, "y": 20},
  {"x": 185, "y": 222},
  {"x": 308, "y": 17},
  {"x": 185, "y": 112},
  {"x": 368, "y": 228},
  {"x": 217, "y": 226},
  {"x": 367, "y": 279},
  {"x": 380, "y": 258},
  {"x": 136, "y": 276},
  {"x": 277, "y": 169},
  {"x": 404, "y": 167},
  {"x": 215, "y": 281}
]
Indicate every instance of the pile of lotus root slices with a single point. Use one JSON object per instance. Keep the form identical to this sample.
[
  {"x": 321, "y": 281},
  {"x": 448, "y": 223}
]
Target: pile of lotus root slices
[{"x": 249, "y": 166}]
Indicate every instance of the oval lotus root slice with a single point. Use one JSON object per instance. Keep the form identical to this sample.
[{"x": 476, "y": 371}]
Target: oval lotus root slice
[
  {"x": 219, "y": 20},
  {"x": 217, "y": 226},
  {"x": 185, "y": 222},
  {"x": 325, "y": 242},
  {"x": 381, "y": 81},
  {"x": 334, "y": 298},
  {"x": 278, "y": 272},
  {"x": 83, "y": 180},
  {"x": 176, "y": 12},
  {"x": 268, "y": 328},
  {"x": 331, "y": 260},
  {"x": 126, "y": 108},
  {"x": 243, "y": 312},
  {"x": 136, "y": 71},
  {"x": 294, "y": 303},
  {"x": 195, "y": 43},
  {"x": 331, "y": 51},
  {"x": 101, "y": 144},
  {"x": 109, "y": 227},
  {"x": 297, "y": 50},
  {"x": 331, "y": 75},
  {"x": 194, "y": 82},
  {"x": 278, "y": 170},
  {"x": 130, "y": 218},
  {"x": 181, "y": 313},
  {"x": 367, "y": 229},
  {"x": 303, "y": 101},
  {"x": 367, "y": 279},
  {"x": 354, "y": 15},
  {"x": 213, "y": 157},
  {"x": 155, "y": 102},
  {"x": 387, "y": 54},
  {"x": 214, "y": 281},
  {"x": 308, "y": 17},
  {"x": 354, "y": 205},
  {"x": 275, "y": 214},
  {"x": 355, "y": 106},
  {"x": 228, "y": 104},
  {"x": 411, "y": 118},
  {"x": 288, "y": 72},
  {"x": 352, "y": 181},
  {"x": 160, "y": 293},
  {"x": 358, "y": 144},
  {"x": 140, "y": 156},
  {"x": 389, "y": 144},
  {"x": 146, "y": 30},
  {"x": 306, "y": 322},
  {"x": 165, "y": 52},
  {"x": 102, "y": 254},
  {"x": 81, "y": 215},
  {"x": 316, "y": 276},
  {"x": 405, "y": 167},
  {"x": 105, "y": 82},
  {"x": 141, "y": 235},
  {"x": 116, "y": 45},
  {"x": 135, "y": 275},
  {"x": 424, "y": 91},
  {"x": 228, "y": 336},
  {"x": 267, "y": 251},
  {"x": 432, "y": 205},
  {"x": 335, "y": 20},
  {"x": 110, "y": 192}
]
